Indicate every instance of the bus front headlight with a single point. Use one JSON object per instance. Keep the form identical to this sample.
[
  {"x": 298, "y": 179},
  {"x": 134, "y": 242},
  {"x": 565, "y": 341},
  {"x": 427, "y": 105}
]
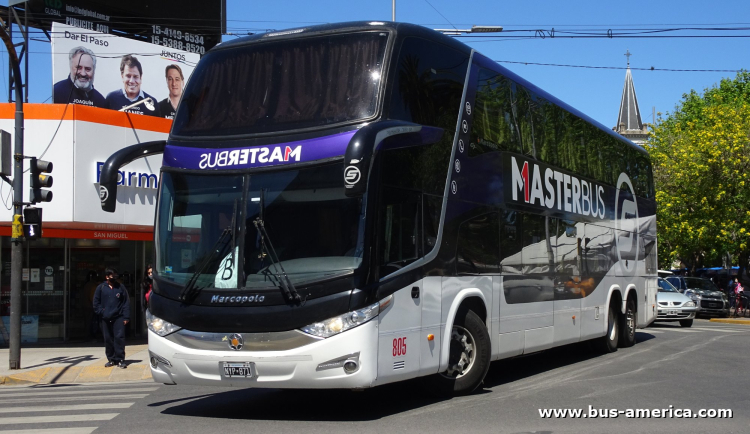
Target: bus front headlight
[
  {"x": 158, "y": 325},
  {"x": 341, "y": 323}
]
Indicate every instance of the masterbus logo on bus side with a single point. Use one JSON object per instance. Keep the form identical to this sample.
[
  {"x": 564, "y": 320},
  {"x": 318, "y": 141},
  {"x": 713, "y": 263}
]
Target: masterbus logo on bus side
[
  {"x": 537, "y": 184},
  {"x": 243, "y": 157}
]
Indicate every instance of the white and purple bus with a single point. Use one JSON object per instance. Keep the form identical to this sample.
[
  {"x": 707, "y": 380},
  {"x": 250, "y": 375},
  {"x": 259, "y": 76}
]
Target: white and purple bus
[{"x": 349, "y": 205}]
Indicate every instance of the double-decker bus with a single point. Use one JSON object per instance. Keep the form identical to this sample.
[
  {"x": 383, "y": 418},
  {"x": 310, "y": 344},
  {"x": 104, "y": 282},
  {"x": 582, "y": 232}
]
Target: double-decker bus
[{"x": 350, "y": 205}]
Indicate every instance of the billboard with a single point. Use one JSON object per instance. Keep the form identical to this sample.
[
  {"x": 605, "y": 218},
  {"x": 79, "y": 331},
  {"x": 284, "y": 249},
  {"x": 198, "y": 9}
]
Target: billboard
[
  {"x": 102, "y": 70},
  {"x": 190, "y": 25}
]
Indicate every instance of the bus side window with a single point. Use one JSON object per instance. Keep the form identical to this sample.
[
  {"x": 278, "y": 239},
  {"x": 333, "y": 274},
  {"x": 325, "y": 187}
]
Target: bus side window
[
  {"x": 432, "y": 206},
  {"x": 429, "y": 83},
  {"x": 495, "y": 127},
  {"x": 510, "y": 242},
  {"x": 399, "y": 230},
  {"x": 478, "y": 246},
  {"x": 651, "y": 263},
  {"x": 399, "y": 220}
]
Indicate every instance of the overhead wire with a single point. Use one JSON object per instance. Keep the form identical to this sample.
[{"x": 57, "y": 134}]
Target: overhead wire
[
  {"x": 617, "y": 67},
  {"x": 446, "y": 19},
  {"x": 67, "y": 104},
  {"x": 6, "y": 200}
]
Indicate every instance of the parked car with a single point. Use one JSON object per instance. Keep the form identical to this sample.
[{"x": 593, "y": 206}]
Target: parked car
[
  {"x": 672, "y": 305},
  {"x": 709, "y": 300}
]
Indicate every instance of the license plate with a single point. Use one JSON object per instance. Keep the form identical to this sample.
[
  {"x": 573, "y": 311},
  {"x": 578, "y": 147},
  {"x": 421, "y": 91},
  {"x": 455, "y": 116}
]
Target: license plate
[
  {"x": 239, "y": 370},
  {"x": 672, "y": 312}
]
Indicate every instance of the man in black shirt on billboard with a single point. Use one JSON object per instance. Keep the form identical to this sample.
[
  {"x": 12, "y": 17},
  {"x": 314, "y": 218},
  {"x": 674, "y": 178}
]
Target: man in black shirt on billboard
[
  {"x": 175, "y": 82},
  {"x": 131, "y": 93},
  {"x": 78, "y": 87},
  {"x": 112, "y": 303}
]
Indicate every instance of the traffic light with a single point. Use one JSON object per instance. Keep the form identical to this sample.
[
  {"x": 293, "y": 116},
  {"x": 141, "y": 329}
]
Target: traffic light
[
  {"x": 38, "y": 180},
  {"x": 32, "y": 223}
]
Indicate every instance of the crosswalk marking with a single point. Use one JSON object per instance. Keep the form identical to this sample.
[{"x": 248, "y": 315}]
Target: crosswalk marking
[
  {"x": 81, "y": 430},
  {"x": 74, "y": 392},
  {"x": 683, "y": 330},
  {"x": 718, "y": 329},
  {"x": 57, "y": 419},
  {"x": 695, "y": 330},
  {"x": 51, "y": 409},
  {"x": 97, "y": 406},
  {"x": 71, "y": 398}
]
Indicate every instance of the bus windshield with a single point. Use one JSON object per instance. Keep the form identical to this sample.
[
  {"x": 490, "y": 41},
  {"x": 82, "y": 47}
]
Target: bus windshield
[
  {"x": 313, "y": 227},
  {"x": 283, "y": 85}
]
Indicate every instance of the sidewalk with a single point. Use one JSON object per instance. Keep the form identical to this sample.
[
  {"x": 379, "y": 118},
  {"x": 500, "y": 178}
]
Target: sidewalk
[{"x": 83, "y": 364}]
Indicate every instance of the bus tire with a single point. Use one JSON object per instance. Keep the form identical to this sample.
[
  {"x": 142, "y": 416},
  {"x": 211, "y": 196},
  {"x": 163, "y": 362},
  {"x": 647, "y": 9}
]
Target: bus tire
[
  {"x": 468, "y": 357},
  {"x": 608, "y": 342},
  {"x": 628, "y": 325}
]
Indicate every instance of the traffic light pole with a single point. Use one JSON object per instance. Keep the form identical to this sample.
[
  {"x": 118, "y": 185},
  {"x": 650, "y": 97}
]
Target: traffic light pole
[{"x": 16, "y": 254}]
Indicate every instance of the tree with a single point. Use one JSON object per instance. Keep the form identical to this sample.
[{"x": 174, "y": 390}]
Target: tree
[{"x": 701, "y": 164}]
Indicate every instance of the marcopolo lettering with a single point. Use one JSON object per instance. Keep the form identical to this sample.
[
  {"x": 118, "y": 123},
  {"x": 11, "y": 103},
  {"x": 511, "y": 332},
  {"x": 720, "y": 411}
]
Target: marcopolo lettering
[
  {"x": 242, "y": 157},
  {"x": 543, "y": 186},
  {"x": 238, "y": 299}
]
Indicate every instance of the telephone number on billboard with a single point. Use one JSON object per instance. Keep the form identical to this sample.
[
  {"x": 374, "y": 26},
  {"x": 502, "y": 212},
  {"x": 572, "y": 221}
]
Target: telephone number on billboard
[{"x": 179, "y": 45}]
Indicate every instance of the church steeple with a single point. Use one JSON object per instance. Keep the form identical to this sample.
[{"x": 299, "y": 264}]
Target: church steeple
[{"x": 629, "y": 122}]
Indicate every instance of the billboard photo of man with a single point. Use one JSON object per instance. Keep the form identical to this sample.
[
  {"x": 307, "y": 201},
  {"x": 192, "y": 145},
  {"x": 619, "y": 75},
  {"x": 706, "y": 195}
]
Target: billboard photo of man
[
  {"x": 175, "y": 83},
  {"x": 131, "y": 73},
  {"x": 78, "y": 87}
]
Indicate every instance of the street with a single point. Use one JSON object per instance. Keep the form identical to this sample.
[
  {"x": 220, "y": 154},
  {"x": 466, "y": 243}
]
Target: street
[{"x": 703, "y": 367}]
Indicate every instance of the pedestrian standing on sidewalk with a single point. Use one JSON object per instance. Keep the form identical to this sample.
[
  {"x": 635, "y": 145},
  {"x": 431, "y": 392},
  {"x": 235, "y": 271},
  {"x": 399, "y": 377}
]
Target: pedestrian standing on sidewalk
[
  {"x": 147, "y": 285},
  {"x": 111, "y": 302}
]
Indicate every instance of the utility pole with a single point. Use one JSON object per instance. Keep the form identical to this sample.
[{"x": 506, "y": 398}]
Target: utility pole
[
  {"x": 16, "y": 255},
  {"x": 393, "y": 11}
]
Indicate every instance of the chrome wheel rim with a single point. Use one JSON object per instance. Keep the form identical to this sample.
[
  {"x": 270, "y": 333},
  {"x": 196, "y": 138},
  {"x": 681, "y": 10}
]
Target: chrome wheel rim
[
  {"x": 462, "y": 353},
  {"x": 631, "y": 323}
]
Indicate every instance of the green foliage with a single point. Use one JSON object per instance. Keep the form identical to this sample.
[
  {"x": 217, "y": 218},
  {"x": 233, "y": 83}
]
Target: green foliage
[{"x": 701, "y": 157}]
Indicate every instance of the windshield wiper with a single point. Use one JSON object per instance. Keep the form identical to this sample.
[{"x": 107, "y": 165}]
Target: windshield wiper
[
  {"x": 287, "y": 287},
  {"x": 190, "y": 290}
]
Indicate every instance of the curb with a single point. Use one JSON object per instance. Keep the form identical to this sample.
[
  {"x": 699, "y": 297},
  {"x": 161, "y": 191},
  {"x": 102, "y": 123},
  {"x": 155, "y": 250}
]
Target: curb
[
  {"x": 11, "y": 381},
  {"x": 731, "y": 321},
  {"x": 77, "y": 374}
]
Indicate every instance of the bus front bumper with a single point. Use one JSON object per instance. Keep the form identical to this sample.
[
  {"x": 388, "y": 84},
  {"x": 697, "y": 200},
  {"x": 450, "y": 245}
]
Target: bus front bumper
[{"x": 317, "y": 365}]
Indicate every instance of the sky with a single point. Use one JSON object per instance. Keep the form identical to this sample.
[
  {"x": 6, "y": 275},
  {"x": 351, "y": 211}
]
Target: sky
[{"x": 596, "y": 92}]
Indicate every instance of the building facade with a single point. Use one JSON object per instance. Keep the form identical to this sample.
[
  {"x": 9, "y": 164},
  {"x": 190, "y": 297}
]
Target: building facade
[{"x": 79, "y": 240}]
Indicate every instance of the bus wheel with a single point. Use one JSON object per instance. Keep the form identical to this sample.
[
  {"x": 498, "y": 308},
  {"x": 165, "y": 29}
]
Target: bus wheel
[
  {"x": 627, "y": 325},
  {"x": 468, "y": 357},
  {"x": 608, "y": 342}
]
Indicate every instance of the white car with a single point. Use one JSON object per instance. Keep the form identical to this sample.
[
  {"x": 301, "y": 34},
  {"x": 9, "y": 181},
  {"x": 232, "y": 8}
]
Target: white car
[{"x": 673, "y": 305}]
